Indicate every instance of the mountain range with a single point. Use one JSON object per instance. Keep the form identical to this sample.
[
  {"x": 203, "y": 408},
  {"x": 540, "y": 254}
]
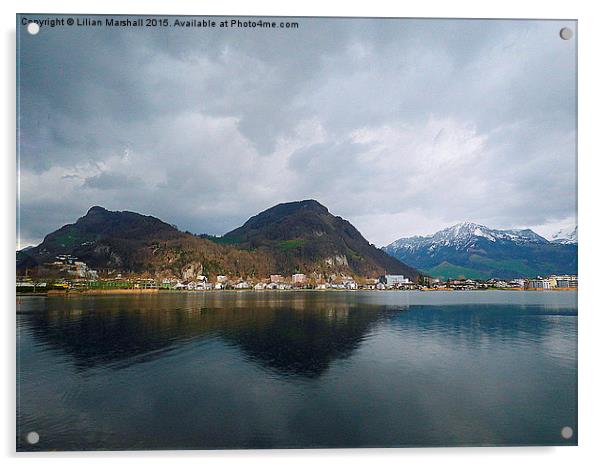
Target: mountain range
[
  {"x": 475, "y": 251},
  {"x": 300, "y": 236}
]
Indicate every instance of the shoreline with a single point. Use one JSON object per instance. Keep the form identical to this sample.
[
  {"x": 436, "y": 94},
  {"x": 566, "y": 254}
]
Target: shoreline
[{"x": 127, "y": 291}]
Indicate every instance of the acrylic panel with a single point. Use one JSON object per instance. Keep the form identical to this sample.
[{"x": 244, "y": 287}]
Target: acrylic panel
[{"x": 269, "y": 232}]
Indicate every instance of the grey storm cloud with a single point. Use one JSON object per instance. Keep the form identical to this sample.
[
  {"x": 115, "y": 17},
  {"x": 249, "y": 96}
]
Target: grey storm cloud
[
  {"x": 401, "y": 126},
  {"x": 108, "y": 181}
]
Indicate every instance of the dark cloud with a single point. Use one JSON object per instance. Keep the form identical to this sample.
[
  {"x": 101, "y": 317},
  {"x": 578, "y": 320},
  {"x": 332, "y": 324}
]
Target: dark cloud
[
  {"x": 402, "y": 126},
  {"x": 111, "y": 181}
]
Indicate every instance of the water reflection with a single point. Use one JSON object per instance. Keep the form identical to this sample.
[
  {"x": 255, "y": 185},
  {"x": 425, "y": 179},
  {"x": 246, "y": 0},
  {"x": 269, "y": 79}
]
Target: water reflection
[
  {"x": 259, "y": 370},
  {"x": 302, "y": 337},
  {"x": 294, "y": 333}
]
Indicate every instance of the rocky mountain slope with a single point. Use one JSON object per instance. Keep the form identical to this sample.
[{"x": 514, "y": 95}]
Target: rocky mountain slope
[
  {"x": 304, "y": 235},
  {"x": 294, "y": 237}
]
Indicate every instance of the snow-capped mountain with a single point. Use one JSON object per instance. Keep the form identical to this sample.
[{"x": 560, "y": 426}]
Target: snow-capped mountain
[
  {"x": 465, "y": 235},
  {"x": 476, "y": 251},
  {"x": 565, "y": 236}
]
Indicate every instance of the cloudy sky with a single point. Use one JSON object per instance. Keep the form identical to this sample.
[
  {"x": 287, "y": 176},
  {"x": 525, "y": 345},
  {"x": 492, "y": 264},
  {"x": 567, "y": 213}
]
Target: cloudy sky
[{"x": 401, "y": 126}]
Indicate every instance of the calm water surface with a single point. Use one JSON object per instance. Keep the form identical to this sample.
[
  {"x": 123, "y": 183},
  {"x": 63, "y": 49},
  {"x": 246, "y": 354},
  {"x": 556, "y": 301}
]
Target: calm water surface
[{"x": 296, "y": 369}]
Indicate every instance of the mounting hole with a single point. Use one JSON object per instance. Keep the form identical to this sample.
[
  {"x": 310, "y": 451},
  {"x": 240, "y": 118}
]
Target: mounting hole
[
  {"x": 33, "y": 28},
  {"x": 33, "y": 437},
  {"x": 566, "y": 432},
  {"x": 566, "y": 33}
]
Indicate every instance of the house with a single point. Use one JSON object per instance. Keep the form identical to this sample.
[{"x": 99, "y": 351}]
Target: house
[
  {"x": 539, "y": 284},
  {"x": 299, "y": 278},
  {"x": 517, "y": 283}
]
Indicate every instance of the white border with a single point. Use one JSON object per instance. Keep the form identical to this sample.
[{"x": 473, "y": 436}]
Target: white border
[{"x": 590, "y": 174}]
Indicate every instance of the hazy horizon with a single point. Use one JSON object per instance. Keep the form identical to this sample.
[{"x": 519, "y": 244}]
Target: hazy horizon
[{"x": 402, "y": 126}]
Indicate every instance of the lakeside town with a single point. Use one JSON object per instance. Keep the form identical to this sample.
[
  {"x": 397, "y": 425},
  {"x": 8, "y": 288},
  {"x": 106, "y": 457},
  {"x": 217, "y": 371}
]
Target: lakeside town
[{"x": 68, "y": 273}]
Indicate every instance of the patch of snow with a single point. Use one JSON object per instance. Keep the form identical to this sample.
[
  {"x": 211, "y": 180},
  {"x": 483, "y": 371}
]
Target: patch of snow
[
  {"x": 466, "y": 235},
  {"x": 565, "y": 236}
]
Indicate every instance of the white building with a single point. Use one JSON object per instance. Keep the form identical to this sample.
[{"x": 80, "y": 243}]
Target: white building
[
  {"x": 566, "y": 281},
  {"x": 395, "y": 280}
]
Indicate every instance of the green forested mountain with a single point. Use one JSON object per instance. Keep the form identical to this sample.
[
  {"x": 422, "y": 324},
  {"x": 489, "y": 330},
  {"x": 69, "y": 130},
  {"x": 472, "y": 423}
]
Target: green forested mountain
[
  {"x": 294, "y": 237},
  {"x": 304, "y": 235}
]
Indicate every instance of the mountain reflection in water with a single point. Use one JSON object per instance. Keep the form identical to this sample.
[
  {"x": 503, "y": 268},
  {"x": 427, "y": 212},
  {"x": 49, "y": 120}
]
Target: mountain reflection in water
[
  {"x": 296, "y": 369},
  {"x": 299, "y": 336}
]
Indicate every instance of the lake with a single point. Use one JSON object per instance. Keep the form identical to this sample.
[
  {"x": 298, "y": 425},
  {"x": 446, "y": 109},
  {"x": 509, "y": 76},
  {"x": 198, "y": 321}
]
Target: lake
[{"x": 186, "y": 370}]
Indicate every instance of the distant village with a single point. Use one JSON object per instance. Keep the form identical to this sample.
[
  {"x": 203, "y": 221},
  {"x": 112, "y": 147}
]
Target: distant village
[{"x": 70, "y": 273}]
